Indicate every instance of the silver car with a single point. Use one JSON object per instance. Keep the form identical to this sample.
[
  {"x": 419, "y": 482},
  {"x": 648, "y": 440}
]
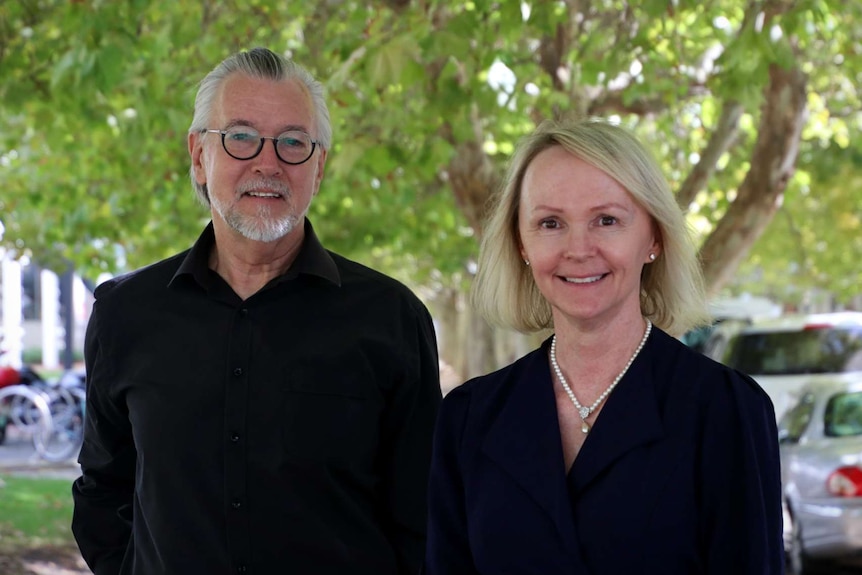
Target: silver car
[{"x": 820, "y": 439}]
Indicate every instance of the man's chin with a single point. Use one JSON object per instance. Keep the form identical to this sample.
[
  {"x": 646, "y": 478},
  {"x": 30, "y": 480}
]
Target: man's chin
[{"x": 264, "y": 232}]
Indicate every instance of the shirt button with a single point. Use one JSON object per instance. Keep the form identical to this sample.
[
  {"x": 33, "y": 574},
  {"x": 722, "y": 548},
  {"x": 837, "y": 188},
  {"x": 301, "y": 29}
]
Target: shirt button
[
  {"x": 237, "y": 371},
  {"x": 236, "y": 504},
  {"x": 243, "y": 311},
  {"x": 241, "y": 569},
  {"x": 234, "y": 437}
]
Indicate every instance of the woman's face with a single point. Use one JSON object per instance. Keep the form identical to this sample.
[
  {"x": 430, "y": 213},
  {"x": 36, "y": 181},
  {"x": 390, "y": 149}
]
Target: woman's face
[{"x": 585, "y": 237}]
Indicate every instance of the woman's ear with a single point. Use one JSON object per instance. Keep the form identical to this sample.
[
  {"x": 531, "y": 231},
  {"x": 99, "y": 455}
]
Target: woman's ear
[{"x": 654, "y": 252}]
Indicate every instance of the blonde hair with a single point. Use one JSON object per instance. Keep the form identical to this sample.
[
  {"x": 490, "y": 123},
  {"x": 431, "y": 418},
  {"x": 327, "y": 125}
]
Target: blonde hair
[{"x": 672, "y": 290}]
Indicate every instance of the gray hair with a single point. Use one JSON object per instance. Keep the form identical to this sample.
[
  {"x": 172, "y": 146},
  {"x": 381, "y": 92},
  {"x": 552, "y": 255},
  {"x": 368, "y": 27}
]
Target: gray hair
[
  {"x": 672, "y": 290},
  {"x": 264, "y": 64}
]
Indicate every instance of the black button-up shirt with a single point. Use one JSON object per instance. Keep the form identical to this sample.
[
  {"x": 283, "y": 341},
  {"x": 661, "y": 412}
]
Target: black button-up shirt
[{"x": 286, "y": 433}]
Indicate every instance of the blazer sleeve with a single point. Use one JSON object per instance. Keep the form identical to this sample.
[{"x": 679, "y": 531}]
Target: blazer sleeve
[
  {"x": 448, "y": 550},
  {"x": 102, "y": 517},
  {"x": 741, "y": 481}
]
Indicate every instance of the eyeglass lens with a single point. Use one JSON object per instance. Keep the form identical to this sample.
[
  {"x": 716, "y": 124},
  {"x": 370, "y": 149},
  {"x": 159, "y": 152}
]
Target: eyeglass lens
[{"x": 293, "y": 146}]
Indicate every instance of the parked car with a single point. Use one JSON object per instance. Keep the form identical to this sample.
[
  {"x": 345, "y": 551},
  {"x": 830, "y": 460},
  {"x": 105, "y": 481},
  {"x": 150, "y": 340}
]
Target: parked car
[
  {"x": 719, "y": 334},
  {"x": 728, "y": 315},
  {"x": 820, "y": 439},
  {"x": 781, "y": 354}
]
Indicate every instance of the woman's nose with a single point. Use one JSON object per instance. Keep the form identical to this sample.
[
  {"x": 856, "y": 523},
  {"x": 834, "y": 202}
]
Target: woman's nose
[{"x": 580, "y": 243}]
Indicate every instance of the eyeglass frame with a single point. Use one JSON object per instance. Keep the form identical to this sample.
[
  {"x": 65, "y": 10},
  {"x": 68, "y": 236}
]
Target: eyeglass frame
[{"x": 223, "y": 133}]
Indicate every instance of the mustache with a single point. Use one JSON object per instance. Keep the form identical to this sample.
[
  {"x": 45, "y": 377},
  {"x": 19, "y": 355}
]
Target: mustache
[{"x": 264, "y": 185}]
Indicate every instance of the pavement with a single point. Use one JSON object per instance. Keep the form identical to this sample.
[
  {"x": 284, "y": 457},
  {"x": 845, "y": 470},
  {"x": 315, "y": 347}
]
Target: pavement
[{"x": 19, "y": 457}]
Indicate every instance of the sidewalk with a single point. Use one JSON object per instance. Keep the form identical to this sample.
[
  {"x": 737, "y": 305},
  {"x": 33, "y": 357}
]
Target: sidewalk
[
  {"x": 44, "y": 470},
  {"x": 19, "y": 457}
]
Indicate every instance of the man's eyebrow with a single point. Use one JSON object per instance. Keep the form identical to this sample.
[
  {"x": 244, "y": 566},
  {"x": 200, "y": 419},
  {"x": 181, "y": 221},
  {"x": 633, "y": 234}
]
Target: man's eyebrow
[
  {"x": 238, "y": 122},
  {"x": 245, "y": 123}
]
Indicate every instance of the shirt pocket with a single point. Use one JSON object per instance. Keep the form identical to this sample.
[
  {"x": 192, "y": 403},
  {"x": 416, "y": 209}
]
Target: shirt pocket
[{"x": 328, "y": 420}]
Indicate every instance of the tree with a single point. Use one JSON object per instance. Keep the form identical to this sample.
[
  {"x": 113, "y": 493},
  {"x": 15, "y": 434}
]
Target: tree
[{"x": 428, "y": 100}]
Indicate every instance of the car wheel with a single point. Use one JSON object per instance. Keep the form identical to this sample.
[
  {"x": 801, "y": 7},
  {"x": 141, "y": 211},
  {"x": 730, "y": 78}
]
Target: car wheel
[
  {"x": 797, "y": 561},
  {"x": 793, "y": 551}
]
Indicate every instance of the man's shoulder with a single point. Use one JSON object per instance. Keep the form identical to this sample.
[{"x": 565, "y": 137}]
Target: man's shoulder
[
  {"x": 144, "y": 279},
  {"x": 357, "y": 275}
]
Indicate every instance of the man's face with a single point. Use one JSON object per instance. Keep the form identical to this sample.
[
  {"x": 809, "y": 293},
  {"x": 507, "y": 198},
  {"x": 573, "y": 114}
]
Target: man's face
[{"x": 262, "y": 199}]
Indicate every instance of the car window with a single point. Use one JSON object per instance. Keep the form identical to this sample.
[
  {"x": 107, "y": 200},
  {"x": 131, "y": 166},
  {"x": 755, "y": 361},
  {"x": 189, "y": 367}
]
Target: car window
[
  {"x": 821, "y": 350},
  {"x": 843, "y": 415},
  {"x": 795, "y": 420},
  {"x": 717, "y": 335}
]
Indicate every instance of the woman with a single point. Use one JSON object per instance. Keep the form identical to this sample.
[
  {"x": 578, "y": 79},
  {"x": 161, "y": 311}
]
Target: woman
[{"x": 613, "y": 448}]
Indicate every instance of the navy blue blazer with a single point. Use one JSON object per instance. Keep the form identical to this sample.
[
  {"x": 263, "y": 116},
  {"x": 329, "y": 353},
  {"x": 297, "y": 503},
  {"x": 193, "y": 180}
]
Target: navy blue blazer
[{"x": 679, "y": 475}]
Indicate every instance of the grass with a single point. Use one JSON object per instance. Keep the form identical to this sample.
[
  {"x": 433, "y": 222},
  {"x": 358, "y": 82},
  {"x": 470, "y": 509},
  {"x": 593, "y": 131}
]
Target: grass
[{"x": 34, "y": 513}]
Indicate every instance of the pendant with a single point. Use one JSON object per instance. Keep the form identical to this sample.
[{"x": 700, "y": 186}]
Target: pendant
[
  {"x": 585, "y": 427},
  {"x": 584, "y": 412}
]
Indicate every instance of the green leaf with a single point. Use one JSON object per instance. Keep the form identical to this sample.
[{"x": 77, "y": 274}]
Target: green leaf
[{"x": 109, "y": 68}]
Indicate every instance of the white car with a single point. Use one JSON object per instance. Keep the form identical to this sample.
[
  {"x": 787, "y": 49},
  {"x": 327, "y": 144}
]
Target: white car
[{"x": 782, "y": 354}]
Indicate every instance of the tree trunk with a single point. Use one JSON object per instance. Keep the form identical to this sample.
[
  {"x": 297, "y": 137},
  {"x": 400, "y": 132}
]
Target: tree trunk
[
  {"x": 762, "y": 191},
  {"x": 473, "y": 178}
]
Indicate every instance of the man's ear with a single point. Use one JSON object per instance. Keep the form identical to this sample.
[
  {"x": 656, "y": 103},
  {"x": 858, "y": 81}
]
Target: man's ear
[
  {"x": 196, "y": 149},
  {"x": 321, "y": 166}
]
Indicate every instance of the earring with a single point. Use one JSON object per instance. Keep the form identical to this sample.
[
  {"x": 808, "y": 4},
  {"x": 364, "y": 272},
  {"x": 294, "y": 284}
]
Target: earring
[
  {"x": 652, "y": 257},
  {"x": 527, "y": 262}
]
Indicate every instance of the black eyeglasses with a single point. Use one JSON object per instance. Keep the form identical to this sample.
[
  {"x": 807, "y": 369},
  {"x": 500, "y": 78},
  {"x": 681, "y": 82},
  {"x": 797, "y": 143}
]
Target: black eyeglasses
[{"x": 243, "y": 143}]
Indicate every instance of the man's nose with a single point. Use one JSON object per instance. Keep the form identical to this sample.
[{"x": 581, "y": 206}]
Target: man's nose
[{"x": 267, "y": 162}]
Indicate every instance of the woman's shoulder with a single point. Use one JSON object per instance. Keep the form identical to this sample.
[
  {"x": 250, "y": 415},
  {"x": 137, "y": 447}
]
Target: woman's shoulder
[
  {"x": 700, "y": 375},
  {"x": 485, "y": 396},
  {"x": 672, "y": 354},
  {"x": 472, "y": 409},
  {"x": 495, "y": 382}
]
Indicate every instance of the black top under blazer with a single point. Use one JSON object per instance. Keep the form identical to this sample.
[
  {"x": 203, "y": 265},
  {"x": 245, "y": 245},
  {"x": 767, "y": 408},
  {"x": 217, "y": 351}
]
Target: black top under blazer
[{"x": 679, "y": 475}]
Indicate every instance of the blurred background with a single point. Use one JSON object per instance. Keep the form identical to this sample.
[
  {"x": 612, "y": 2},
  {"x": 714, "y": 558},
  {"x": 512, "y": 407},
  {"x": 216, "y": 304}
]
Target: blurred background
[{"x": 752, "y": 107}]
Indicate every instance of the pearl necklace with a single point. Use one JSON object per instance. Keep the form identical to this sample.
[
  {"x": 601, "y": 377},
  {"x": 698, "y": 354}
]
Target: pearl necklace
[{"x": 583, "y": 410}]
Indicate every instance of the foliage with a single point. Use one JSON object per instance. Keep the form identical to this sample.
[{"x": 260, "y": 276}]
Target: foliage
[
  {"x": 814, "y": 242},
  {"x": 34, "y": 512},
  {"x": 98, "y": 95}
]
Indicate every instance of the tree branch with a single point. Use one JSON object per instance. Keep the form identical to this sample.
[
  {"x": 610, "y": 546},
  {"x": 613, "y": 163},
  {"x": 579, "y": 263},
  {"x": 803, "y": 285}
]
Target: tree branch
[
  {"x": 613, "y": 102},
  {"x": 721, "y": 140}
]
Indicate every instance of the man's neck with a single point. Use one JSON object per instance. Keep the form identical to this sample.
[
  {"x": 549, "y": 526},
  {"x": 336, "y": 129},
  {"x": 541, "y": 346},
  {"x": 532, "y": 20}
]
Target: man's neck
[{"x": 247, "y": 265}]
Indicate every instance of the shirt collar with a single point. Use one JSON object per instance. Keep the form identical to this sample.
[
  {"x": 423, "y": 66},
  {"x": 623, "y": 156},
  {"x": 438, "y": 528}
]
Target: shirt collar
[{"x": 312, "y": 259}]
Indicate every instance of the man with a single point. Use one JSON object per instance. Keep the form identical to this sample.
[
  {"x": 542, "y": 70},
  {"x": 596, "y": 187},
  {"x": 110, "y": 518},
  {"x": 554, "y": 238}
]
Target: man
[{"x": 256, "y": 404}]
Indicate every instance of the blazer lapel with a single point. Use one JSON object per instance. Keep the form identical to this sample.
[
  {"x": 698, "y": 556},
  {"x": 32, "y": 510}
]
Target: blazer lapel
[
  {"x": 629, "y": 419},
  {"x": 524, "y": 441}
]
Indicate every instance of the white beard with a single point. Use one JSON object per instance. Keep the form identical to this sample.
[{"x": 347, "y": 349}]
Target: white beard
[{"x": 261, "y": 227}]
